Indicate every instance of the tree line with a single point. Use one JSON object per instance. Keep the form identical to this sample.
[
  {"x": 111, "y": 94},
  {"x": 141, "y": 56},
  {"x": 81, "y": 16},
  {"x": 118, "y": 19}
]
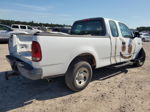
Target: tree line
[
  {"x": 140, "y": 29},
  {"x": 31, "y": 23}
]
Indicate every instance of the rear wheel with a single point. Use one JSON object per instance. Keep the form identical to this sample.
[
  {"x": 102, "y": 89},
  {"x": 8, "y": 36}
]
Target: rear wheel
[
  {"x": 139, "y": 61},
  {"x": 78, "y": 76}
]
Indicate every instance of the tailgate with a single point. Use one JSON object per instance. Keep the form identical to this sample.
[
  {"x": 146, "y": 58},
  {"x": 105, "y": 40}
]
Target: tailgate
[{"x": 20, "y": 46}]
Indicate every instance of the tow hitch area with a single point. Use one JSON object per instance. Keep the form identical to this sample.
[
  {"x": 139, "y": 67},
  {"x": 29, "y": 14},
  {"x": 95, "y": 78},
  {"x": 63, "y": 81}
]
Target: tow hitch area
[{"x": 10, "y": 74}]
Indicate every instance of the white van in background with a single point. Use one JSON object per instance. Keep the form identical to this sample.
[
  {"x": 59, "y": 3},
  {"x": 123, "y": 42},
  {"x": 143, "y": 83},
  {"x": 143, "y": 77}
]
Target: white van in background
[
  {"x": 7, "y": 31},
  {"x": 25, "y": 28}
]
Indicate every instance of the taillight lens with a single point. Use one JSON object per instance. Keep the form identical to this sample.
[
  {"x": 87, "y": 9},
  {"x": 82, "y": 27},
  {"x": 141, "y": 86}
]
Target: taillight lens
[{"x": 36, "y": 52}]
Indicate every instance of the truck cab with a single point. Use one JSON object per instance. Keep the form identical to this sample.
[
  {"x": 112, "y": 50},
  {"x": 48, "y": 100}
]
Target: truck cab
[{"x": 123, "y": 43}]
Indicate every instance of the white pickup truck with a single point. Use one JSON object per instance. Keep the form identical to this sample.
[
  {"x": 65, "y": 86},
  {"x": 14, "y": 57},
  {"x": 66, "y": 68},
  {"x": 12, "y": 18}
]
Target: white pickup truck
[{"x": 92, "y": 43}]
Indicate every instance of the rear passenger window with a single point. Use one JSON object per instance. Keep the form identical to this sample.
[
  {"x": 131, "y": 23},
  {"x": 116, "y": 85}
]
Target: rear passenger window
[
  {"x": 114, "y": 30},
  {"x": 29, "y": 28},
  {"x": 23, "y": 27},
  {"x": 15, "y": 26}
]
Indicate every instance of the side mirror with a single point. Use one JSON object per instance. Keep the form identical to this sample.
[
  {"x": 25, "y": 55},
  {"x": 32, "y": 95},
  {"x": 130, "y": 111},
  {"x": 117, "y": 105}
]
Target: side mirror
[{"x": 136, "y": 34}]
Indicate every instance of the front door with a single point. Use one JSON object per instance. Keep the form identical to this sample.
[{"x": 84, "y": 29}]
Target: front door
[{"x": 127, "y": 43}]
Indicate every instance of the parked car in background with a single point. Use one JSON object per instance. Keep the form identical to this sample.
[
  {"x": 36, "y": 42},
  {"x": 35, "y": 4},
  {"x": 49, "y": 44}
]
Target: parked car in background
[
  {"x": 25, "y": 28},
  {"x": 6, "y": 31},
  {"x": 61, "y": 29},
  {"x": 145, "y": 37}
]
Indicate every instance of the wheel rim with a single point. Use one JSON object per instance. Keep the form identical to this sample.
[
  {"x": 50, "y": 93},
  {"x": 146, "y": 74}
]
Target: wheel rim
[
  {"x": 82, "y": 77},
  {"x": 141, "y": 61}
]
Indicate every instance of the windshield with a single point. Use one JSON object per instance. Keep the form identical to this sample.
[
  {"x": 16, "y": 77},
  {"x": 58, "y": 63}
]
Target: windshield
[
  {"x": 89, "y": 27},
  {"x": 5, "y": 28}
]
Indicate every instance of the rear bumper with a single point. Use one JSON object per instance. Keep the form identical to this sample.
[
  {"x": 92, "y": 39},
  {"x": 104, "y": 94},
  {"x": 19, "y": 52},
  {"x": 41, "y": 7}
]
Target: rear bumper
[{"x": 24, "y": 68}]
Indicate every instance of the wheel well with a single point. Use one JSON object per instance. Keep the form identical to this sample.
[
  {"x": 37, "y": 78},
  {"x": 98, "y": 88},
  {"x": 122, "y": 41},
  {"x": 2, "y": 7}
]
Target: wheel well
[
  {"x": 142, "y": 52},
  {"x": 85, "y": 57}
]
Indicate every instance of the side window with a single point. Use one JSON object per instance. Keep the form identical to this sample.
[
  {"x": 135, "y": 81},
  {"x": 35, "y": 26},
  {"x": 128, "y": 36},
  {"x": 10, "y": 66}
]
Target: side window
[
  {"x": 125, "y": 31},
  {"x": 29, "y": 28},
  {"x": 114, "y": 30},
  {"x": 23, "y": 27},
  {"x": 15, "y": 26}
]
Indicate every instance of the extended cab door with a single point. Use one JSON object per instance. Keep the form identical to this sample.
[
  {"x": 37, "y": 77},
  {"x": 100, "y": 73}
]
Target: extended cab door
[{"x": 115, "y": 42}]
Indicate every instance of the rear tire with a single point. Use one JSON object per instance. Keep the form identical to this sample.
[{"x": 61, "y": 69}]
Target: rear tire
[
  {"x": 78, "y": 76},
  {"x": 139, "y": 61}
]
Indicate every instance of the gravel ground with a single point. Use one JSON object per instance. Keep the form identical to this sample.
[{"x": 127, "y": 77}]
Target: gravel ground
[{"x": 113, "y": 89}]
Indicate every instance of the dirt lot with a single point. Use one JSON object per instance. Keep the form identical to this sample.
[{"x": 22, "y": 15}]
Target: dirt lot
[{"x": 113, "y": 89}]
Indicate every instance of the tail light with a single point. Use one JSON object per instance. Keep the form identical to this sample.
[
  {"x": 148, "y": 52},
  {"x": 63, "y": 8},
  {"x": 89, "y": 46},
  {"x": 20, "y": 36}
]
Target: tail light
[{"x": 36, "y": 52}]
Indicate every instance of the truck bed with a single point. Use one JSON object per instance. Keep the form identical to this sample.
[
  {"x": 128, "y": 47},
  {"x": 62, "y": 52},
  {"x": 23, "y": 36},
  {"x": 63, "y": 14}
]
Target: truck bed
[{"x": 58, "y": 50}]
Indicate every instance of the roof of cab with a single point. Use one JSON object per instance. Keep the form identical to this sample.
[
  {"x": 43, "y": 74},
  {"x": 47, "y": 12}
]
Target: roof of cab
[{"x": 96, "y": 18}]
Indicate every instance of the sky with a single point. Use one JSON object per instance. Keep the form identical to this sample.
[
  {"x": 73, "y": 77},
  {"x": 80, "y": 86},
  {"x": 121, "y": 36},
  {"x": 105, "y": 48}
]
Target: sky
[{"x": 132, "y": 12}]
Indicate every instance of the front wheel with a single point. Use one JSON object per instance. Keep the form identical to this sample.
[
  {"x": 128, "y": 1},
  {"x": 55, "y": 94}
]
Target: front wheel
[
  {"x": 140, "y": 59},
  {"x": 79, "y": 75}
]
